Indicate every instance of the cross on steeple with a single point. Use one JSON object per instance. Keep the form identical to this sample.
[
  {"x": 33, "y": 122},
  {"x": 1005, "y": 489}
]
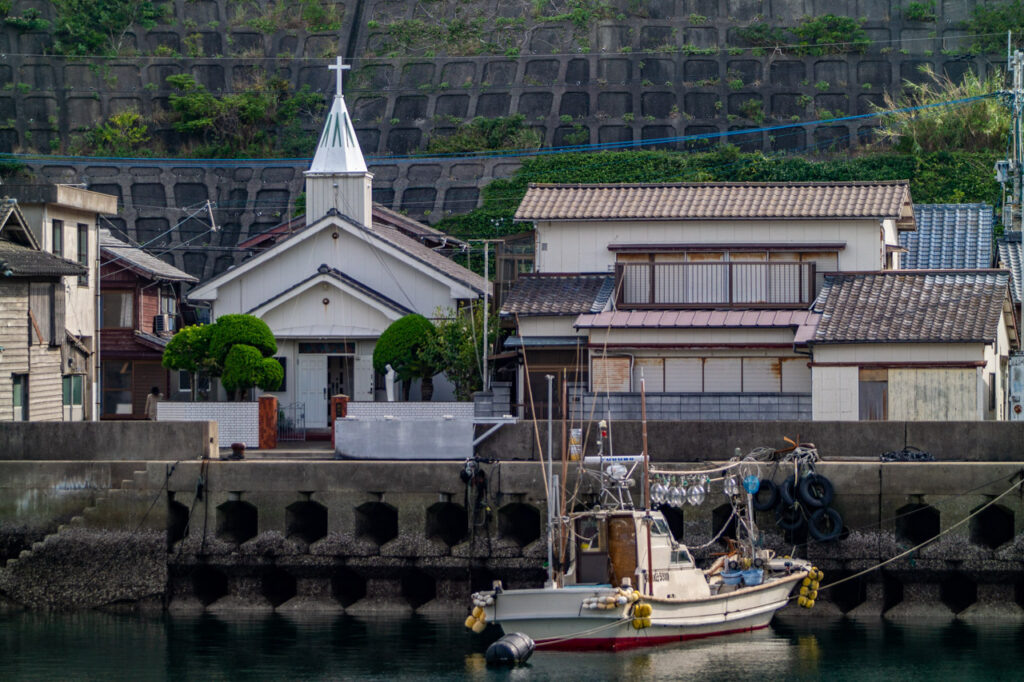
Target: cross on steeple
[{"x": 339, "y": 67}]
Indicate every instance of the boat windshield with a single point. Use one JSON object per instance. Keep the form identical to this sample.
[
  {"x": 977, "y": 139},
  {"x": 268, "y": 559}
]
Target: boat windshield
[{"x": 659, "y": 527}]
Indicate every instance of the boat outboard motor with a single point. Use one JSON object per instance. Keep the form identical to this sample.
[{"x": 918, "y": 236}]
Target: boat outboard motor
[{"x": 511, "y": 650}]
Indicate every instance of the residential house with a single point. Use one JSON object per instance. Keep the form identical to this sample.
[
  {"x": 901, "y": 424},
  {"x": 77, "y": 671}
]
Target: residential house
[
  {"x": 63, "y": 220},
  {"x": 921, "y": 345},
  {"x": 43, "y": 367},
  {"x": 704, "y": 291},
  {"x": 329, "y": 287},
  {"x": 141, "y": 308}
]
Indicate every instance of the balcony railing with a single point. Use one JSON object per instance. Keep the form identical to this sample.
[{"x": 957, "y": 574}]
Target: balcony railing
[{"x": 702, "y": 285}]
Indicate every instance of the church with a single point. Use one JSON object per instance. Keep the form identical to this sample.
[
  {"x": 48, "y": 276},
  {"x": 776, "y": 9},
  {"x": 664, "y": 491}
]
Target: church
[{"x": 329, "y": 287}]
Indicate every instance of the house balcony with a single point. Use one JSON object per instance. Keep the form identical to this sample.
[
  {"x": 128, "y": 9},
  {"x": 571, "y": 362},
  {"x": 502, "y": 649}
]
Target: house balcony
[{"x": 714, "y": 285}]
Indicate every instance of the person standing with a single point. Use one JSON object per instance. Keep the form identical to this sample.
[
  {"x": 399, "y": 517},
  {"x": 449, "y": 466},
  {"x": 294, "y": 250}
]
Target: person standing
[{"x": 151, "y": 400}]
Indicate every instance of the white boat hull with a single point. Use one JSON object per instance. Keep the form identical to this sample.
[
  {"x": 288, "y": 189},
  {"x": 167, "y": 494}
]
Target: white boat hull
[{"x": 555, "y": 618}]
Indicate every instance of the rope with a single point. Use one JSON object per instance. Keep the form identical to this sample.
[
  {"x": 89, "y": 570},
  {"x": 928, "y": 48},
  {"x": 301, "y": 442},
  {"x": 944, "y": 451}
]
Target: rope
[
  {"x": 929, "y": 540},
  {"x": 591, "y": 631}
]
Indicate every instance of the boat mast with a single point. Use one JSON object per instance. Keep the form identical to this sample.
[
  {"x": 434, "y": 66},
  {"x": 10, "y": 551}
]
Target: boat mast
[
  {"x": 551, "y": 487},
  {"x": 643, "y": 432}
]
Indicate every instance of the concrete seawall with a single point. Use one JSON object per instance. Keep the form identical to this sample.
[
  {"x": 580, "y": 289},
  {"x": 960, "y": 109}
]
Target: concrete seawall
[{"x": 412, "y": 536}]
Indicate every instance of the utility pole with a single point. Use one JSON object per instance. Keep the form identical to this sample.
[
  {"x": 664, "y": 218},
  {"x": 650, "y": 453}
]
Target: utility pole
[
  {"x": 487, "y": 277},
  {"x": 1008, "y": 174}
]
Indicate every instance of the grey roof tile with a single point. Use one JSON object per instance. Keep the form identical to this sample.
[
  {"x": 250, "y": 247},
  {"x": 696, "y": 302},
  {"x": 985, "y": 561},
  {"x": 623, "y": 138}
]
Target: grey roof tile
[
  {"x": 136, "y": 258},
  {"x": 558, "y": 294},
  {"x": 1010, "y": 258},
  {"x": 26, "y": 262},
  {"x": 949, "y": 236},
  {"x": 944, "y": 306}
]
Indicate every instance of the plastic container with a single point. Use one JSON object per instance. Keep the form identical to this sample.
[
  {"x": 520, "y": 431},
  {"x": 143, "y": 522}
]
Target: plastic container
[
  {"x": 753, "y": 576},
  {"x": 732, "y": 577}
]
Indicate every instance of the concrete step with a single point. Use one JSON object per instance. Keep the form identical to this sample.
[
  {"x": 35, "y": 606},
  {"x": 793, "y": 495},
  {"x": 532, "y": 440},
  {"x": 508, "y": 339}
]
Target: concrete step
[
  {"x": 127, "y": 483},
  {"x": 140, "y": 480},
  {"x": 24, "y": 554},
  {"x": 77, "y": 521},
  {"x": 36, "y": 546},
  {"x": 11, "y": 563}
]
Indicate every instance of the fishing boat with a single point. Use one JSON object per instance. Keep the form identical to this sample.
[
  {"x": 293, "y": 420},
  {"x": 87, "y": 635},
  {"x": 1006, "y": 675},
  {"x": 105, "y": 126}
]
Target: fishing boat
[{"x": 619, "y": 579}]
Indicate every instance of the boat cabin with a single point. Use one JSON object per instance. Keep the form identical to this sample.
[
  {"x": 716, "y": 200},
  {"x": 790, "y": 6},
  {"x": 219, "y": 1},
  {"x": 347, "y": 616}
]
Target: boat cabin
[{"x": 610, "y": 546}]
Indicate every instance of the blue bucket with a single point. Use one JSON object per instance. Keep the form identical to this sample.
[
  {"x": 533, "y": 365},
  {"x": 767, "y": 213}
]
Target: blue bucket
[
  {"x": 731, "y": 577},
  {"x": 753, "y": 576}
]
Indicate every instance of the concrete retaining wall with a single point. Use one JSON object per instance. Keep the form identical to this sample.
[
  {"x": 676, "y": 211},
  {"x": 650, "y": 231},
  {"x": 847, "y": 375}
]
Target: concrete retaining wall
[
  {"x": 404, "y": 438},
  {"x": 649, "y": 70},
  {"x": 108, "y": 440},
  {"x": 702, "y": 440},
  {"x": 236, "y": 422}
]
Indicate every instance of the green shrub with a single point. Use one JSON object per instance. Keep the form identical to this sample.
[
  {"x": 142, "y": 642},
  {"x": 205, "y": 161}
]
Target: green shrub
[
  {"x": 232, "y": 330},
  {"x": 84, "y": 27},
  {"x": 829, "y": 34},
  {"x": 504, "y": 132},
  {"x": 989, "y": 23},
  {"x": 245, "y": 368},
  {"x": 920, "y": 11}
]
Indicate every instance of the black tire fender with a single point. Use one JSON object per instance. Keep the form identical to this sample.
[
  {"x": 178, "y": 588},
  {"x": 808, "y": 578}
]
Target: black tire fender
[
  {"x": 787, "y": 491},
  {"x": 767, "y": 496},
  {"x": 816, "y": 491},
  {"x": 789, "y": 517},
  {"x": 825, "y": 524}
]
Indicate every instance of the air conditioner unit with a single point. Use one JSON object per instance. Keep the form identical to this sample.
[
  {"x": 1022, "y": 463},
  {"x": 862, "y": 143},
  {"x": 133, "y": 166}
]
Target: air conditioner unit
[{"x": 163, "y": 323}]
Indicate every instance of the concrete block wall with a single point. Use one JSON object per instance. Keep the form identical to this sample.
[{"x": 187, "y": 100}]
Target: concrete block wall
[
  {"x": 236, "y": 422},
  {"x": 694, "y": 406},
  {"x": 651, "y": 70}
]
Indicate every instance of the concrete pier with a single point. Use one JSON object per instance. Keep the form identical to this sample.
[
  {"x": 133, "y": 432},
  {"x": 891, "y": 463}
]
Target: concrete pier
[{"x": 412, "y": 536}]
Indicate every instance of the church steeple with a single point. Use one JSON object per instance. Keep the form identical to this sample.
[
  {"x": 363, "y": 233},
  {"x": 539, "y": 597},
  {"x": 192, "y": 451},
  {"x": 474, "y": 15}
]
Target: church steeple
[{"x": 338, "y": 177}]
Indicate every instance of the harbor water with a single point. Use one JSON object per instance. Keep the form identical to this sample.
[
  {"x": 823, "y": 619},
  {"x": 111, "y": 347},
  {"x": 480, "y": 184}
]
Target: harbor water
[{"x": 100, "y": 646}]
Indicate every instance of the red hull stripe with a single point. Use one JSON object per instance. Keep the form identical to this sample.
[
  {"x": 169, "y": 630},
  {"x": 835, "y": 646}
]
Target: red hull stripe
[{"x": 623, "y": 643}]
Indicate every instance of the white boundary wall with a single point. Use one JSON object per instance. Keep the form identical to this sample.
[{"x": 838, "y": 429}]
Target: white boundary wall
[
  {"x": 236, "y": 422},
  {"x": 418, "y": 411}
]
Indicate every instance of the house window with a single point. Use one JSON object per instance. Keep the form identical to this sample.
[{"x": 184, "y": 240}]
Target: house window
[
  {"x": 20, "y": 395},
  {"x": 117, "y": 309},
  {"x": 185, "y": 382},
  {"x": 117, "y": 388},
  {"x": 83, "y": 253},
  {"x": 57, "y": 237},
  {"x": 874, "y": 394},
  {"x": 46, "y": 305},
  {"x": 73, "y": 404},
  {"x": 168, "y": 303}
]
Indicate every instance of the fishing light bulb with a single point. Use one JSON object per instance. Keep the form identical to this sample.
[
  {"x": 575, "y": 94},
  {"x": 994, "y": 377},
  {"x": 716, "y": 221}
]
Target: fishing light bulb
[
  {"x": 731, "y": 486},
  {"x": 675, "y": 497}
]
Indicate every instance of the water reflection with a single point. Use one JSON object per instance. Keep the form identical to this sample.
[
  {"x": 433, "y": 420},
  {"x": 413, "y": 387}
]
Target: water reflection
[{"x": 96, "y": 646}]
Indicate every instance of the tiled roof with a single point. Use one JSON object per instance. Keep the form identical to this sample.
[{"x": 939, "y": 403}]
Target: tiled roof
[
  {"x": 716, "y": 201},
  {"x": 949, "y": 236},
  {"x": 694, "y": 319},
  {"x": 945, "y": 306},
  {"x": 558, "y": 294},
  {"x": 1010, "y": 258},
  {"x": 137, "y": 259},
  {"x": 26, "y": 262}
]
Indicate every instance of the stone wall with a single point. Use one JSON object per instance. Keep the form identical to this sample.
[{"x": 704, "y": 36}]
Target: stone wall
[{"x": 644, "y": 71}]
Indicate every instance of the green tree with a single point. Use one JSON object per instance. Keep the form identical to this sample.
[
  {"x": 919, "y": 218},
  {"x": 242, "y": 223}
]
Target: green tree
[
  {"x": 189, "y": 350},
  {"x": 405, "y": 346},
  {"x": 457, "y": 347}
]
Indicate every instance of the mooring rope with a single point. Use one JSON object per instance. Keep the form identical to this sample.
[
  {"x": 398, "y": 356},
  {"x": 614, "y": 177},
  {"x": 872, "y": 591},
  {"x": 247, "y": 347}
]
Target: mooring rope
[{"x": 929, "y": 540}]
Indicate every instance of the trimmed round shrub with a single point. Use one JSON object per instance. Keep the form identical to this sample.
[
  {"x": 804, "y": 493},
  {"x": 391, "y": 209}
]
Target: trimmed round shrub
[
  {"x": 401, "y": 344},
  {"x": 245, "y": 367},
  {"x": 230, "y": 330}
]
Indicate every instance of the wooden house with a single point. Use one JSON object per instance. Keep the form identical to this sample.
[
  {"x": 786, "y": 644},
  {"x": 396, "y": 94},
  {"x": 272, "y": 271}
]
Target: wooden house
[{"x": 141, "y": 308}]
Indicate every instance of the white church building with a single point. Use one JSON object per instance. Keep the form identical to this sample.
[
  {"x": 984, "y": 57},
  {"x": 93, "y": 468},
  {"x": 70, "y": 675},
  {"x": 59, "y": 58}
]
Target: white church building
[{"x": 330, "y": 288}]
